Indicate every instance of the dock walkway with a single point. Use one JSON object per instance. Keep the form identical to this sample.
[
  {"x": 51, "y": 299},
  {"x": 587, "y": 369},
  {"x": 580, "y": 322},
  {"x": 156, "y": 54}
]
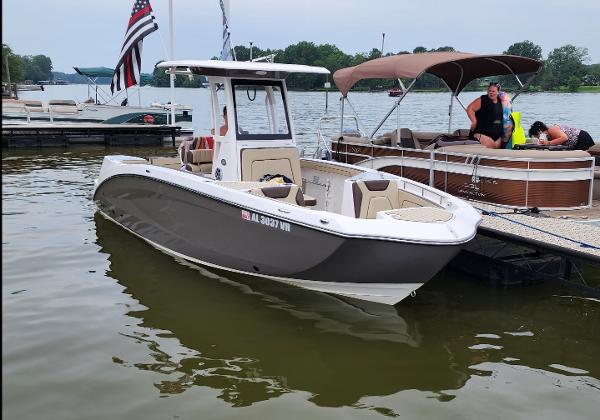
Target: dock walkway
[
  {"x": 57, "y": 135},
  {"x": 575, "y": 232},
  {"x": 515, "y": 248}
]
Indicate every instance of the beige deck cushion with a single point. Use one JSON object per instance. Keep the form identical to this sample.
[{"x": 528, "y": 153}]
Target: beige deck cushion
[
  {"x": 257, "y": 163},
  {"x": 64, "y": 109},
  {"x": 419, "y": 214},
  {"x": 204, "y": 168},
  {"x": 289, "y": 193},
  {"x": 165, "y": 162},
  {"x": 351, "y": 139},
  {"x": 374, "y": 196},
  {"x": 407, "y": 139},
  {"x": 477, "y": 149},
  {"x": 200, "y": 156},
  {"x": 66, "y": 102},
  {"x": 239, "y": 185}
]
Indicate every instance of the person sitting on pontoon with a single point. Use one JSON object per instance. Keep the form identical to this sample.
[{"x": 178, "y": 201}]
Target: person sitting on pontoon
[
  {"x": 572, "y": 138},
  {"x": 485, "y": 114}
]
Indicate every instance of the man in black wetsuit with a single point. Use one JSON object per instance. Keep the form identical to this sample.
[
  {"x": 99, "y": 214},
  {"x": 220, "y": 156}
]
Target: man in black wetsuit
[{"x": 485, "y": 114}]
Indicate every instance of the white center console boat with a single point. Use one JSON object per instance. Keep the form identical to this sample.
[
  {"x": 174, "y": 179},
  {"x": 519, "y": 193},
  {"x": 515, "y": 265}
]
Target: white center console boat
[{"x": 326, "y": 226}]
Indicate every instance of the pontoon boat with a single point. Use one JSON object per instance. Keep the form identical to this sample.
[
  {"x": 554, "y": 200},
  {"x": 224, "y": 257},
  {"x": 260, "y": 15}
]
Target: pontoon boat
[{"x": 449, "y": 161}]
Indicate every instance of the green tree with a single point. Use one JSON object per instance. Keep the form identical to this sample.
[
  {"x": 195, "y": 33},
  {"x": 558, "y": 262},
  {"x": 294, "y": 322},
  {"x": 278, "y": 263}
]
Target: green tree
[
  {"x": 563, "y": 63},
  {"x": 36, "y": 68},
  {"x": 14, "y": 65},
  {"x": 419, "y": 50},
  {"x": 592, "y": 75},
  {"x": 573, "y": 83},
  {"x": 525, "y": 49}
]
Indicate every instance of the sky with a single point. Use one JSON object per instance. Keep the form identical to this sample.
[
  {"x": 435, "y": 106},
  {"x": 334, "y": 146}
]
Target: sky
[{"x": 88, "y": 33}]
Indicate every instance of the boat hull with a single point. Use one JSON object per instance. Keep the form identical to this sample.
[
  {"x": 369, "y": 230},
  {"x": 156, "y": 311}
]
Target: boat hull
[{"x": 210, "y": 231}]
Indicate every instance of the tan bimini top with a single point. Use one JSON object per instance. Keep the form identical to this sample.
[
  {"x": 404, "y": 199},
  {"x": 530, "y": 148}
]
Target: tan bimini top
[{"x": 457, "y": 69}]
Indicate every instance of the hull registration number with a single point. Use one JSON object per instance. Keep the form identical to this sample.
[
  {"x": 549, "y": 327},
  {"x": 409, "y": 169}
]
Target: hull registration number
[{"x": 265, "y": 220}]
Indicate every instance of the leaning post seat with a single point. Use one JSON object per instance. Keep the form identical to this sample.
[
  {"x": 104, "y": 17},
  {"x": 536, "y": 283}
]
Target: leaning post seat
[{"x": 257, "y": 163}]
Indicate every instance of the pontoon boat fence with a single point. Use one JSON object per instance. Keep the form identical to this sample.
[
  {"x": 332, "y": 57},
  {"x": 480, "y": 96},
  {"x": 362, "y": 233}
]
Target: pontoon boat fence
[{"x": 92, "y": 74}]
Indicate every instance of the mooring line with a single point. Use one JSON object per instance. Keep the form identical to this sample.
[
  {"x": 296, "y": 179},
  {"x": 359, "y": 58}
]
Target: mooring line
[{"x": 580, "y": 243}]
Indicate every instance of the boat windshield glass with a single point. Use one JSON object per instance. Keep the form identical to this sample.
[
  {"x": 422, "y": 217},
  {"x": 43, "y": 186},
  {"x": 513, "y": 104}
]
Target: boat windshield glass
[{"x": 260, "y": 110}]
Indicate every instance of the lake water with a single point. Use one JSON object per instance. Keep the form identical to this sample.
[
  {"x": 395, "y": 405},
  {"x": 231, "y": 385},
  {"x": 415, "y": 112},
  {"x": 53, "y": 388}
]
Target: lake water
[{"x": 99, "y": 325}]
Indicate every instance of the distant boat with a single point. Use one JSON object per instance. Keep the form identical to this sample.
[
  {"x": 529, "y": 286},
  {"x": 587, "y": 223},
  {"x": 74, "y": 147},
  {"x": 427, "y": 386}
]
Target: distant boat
[
  {"x": 53, "y": 82},
  {"x": 395, "y": 92},
  {"x": 29, "y": 85}
]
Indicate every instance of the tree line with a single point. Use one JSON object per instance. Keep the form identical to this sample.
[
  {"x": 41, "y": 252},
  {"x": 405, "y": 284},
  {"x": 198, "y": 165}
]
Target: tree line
[
  {"x": 26, "y": 67},
  {"x": 564, "y": 68}
]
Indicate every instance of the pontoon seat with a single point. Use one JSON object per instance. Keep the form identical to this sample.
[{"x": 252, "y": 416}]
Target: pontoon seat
[
  {"x": 462, "y": 132},
  {"x": 33, "y": 106},
  {"x": 350, "y": 138},
  {"x": 62, "y": 102},
  {"x": 373, "y": 196},
  {"x": 289, "y": 193},
  {"x": 407, "y": 140},
  {"x": 199, "y": 160},
  {"x": 13, "y": 105},
  {"x": 478, "y": 149}
]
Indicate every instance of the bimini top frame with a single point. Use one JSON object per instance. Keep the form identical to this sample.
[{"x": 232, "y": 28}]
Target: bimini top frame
[{"x": 456, "y": 69}]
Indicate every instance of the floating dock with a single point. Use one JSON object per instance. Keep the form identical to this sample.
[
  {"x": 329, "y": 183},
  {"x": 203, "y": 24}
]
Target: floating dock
[
  {"x": 60, "y": 135},
  {"x": 525, "y": 247}
]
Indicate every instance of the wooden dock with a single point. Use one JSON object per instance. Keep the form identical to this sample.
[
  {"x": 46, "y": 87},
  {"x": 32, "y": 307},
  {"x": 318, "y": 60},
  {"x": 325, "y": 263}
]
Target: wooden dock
[
  {"x": 61, "y": 135},
  {"x": 524, "y": 247}
]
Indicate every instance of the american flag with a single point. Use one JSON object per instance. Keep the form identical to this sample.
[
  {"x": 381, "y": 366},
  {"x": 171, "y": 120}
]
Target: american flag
[
  {"x": 226, "y": 50},
  {"x": 141, "y": 23}
]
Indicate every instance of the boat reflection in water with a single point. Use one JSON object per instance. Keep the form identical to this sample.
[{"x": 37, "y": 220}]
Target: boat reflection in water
[{"x": 273, "y": 339}]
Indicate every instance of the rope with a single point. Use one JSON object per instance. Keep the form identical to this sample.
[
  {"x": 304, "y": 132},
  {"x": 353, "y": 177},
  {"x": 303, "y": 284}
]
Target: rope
[{"x": 581, "y": 244}]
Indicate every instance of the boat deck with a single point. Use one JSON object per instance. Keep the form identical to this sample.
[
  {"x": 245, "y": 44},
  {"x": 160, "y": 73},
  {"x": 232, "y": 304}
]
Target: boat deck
[{"x": 572, "y": 232}]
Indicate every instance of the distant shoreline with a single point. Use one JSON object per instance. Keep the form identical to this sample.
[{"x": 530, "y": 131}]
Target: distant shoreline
[{"x": 581, "y": 89}]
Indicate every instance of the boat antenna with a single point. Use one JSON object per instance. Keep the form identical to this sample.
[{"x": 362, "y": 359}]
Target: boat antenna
[
  {"x": 382, "y": 41},
  {"x": 171, "y": 57}
]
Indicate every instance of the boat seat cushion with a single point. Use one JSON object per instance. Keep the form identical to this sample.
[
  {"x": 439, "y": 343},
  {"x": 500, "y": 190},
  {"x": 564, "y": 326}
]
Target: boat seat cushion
[
  {"x": 64, "y": 109},
  {"x": 478, "y": 149},
  {"x": 257, "y": 163},
  {"x": 204, "y": 168},
  {"x": 289, "y": 193},
  {"x": 199, "y": 156},
  {"x": 374, "y": 196},
  {"x": 351, "y": 138},
  {"x": 407, "y": 139},
  {"x": 420, "y": 214}
]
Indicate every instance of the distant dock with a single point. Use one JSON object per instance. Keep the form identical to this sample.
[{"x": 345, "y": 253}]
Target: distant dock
[{"x": 62, "y": 135}]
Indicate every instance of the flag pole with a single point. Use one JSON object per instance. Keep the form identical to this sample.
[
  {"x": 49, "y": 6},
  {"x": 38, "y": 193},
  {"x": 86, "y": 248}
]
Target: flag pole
[{"x": 171, "y": 53}]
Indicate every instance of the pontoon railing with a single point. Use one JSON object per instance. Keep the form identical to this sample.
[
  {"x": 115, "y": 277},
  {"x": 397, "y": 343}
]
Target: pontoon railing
[{"x": 322, "y": 149}]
